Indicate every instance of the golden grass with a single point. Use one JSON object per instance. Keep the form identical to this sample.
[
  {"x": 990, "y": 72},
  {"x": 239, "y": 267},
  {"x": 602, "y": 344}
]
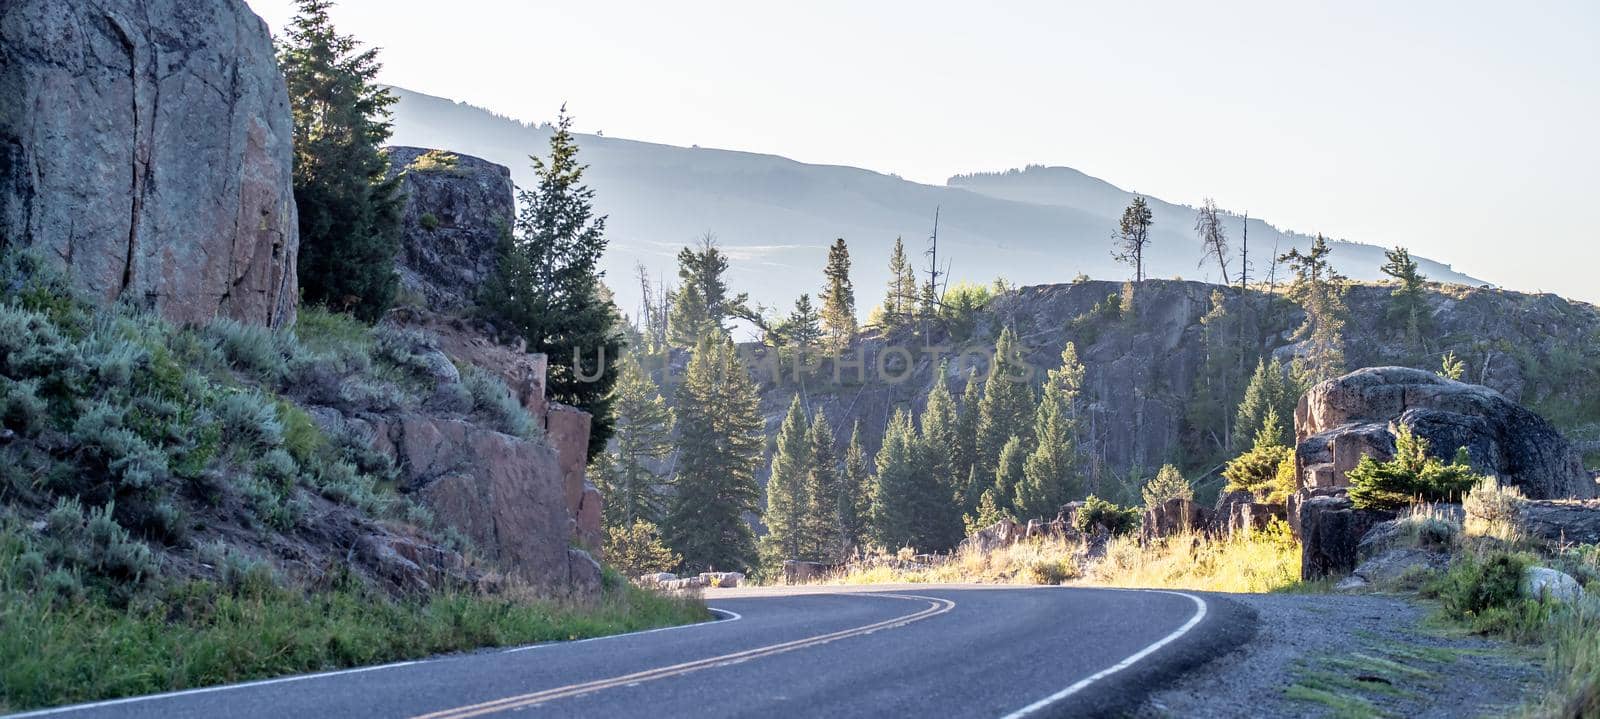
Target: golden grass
[{"x": 1263, "y": 561}]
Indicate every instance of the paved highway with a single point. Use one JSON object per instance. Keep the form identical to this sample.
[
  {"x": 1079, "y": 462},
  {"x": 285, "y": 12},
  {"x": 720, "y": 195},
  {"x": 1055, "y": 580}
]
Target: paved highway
[{"x": 908, "y": 650}]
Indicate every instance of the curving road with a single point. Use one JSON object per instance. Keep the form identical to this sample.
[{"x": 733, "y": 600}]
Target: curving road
[{"x": 909, "y": 650}]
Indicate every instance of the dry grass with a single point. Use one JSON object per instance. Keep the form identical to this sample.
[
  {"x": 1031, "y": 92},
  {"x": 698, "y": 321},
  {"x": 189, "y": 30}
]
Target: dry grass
[
  {"x": 1264, "y": 561},
  {"x": 1045, "y": 561}
]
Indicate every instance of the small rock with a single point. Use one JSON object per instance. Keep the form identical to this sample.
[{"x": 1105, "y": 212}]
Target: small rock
[
  {"x": 1394, "y": 566},
  {"x": 1351, "y": 584},
  {"x": 1547, "y": 583}
]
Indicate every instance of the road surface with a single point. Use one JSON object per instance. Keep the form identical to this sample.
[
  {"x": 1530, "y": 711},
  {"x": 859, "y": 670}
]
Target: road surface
[{"x": 908, "y": 650}]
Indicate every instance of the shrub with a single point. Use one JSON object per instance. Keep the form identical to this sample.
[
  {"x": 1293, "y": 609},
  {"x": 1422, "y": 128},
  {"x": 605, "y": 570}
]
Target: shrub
[
  {"x": 1493, "y": 510},
  {"x": 1098, "y": 514},
  {"x": 120, "y": 452},
  {"x": 21, "y": 408},
  {"x": 429, "y": 221},
  {"x": 435, "y": 161},
  {"x": 638, "y": 549},
  {"x": 1411, "y": 476},
  {"x": 253, "y": 349},
  {"x": 250, "y": 421},
  {"x": 493, "y": 400},
  {"x": 1167, "y": 484},
  {"x": 1475, "y": 584}
]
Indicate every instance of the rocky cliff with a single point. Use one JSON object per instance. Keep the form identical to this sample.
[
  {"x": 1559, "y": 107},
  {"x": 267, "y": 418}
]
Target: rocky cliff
[
  {"x": 457, "y": 207},
  {"x": 146, "y": 146}
]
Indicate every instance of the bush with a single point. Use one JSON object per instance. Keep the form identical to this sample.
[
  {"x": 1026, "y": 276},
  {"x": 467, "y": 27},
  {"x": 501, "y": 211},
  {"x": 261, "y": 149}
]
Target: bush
[
  {"x": 493, "y": 400},
  {"x": 429, "y": 221},
  {"x": 254, "y": 349},
  {"x": 1476, "y": 584},
  {"x": 250, "y": 421},
  {"x": 1097, "y": 514},
  {"x": 1413, "y": 475},
  {"x": 638, "y": 549}
]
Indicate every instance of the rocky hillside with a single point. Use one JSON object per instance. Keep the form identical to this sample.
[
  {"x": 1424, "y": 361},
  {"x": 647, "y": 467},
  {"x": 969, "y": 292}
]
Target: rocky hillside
[{"x": 1143, "y": 366}]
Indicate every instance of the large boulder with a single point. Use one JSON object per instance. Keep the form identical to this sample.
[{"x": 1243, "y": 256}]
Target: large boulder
[
  {"x": 1340, "y": 420},
  {"x": 146, "y": 146},
  {"x": 455, "y": 214},
  {"x": 1174, "y": 516},
  {"x": 1331, "y": 530}
]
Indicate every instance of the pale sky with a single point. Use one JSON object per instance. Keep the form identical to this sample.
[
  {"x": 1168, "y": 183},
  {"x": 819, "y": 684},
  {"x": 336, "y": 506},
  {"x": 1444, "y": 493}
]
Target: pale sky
[{"x": 1466, "y": 131}]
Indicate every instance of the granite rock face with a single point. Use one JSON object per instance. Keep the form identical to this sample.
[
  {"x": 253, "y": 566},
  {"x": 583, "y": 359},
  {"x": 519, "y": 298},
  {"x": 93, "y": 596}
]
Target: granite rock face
[
  {"x": 1340, "y": 420},
  {"x": 452, "y": 223},
  {"x": 146, "y": 146}
]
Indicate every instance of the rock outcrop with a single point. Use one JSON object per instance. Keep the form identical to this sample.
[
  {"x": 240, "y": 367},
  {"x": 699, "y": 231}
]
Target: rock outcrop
[
  {"x": 455, "y": 214},
  {"x": 1341, "y": 420},
  {"x": 146, "y": 146},
  {"x": 1330, "y": 535},
  {"x": 1174, "y": 516}
]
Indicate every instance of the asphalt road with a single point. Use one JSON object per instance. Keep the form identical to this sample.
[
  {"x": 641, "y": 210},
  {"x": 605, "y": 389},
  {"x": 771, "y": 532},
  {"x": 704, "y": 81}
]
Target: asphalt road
[{"x": 915, "y": 650}]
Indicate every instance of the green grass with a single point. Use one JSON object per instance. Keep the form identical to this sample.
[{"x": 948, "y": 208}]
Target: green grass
[{"x": 57, "y": 650}]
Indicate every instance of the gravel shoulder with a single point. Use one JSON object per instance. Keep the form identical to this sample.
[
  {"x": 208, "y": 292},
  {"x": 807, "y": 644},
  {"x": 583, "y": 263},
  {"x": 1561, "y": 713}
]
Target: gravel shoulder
[{"x": 1337, "y": 656}]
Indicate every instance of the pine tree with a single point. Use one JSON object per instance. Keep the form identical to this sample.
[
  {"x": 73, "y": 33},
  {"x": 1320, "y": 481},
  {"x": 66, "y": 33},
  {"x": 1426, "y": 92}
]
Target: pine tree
[
  {"x": 900, "y": 305},
  {"x": 1409, "y": 308},
  {"x": 1007, "y": 407},
  {"x": 720, "y": 443},
  {"x": 702, "y": 303},
  {"x": 1009, "y": 473},
  {"x": 349, "y": 209},
  {"x": 1257, "y": 471},
  {"x": 1167, "y": 484},
  {"x": 1133, "y": 235},
  {"x": 838, "y": 298},
  {"x": 900, "y": 511},
  {"x": 636, "y": 548},
  {"x": 856, "y": 492},
  {"x": 785, "y": 514},
  {"x": 643, "y": 436},
  {"x": 1271, "y": 390},
  {"x": 547, "y": 289},
  {"x": 825, "y": 491},
  {"x": 1217, "y": 389},
  {"x": 1050, "y": 477},
  {"x": 966, "y": 450},
  {"x": 1317, "y": 288},
  {"x": 940, "y": 425},
  {"x": 803, "y": 327}
]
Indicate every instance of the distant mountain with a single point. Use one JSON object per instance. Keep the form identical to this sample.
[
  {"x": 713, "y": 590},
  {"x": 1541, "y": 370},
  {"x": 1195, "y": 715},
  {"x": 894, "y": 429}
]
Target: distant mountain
[{"x": 776, "y": 216}]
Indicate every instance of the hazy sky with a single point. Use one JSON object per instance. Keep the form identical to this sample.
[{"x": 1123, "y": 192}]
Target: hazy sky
[{"x": 1464, "y": 130}]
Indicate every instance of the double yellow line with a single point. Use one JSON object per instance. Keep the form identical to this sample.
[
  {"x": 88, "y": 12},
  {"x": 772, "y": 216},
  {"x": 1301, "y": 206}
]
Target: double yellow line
[{"x": 935, "y": 607}]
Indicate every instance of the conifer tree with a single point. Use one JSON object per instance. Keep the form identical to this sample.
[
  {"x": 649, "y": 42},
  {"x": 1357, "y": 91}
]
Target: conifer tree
[
  {"x": 1167, "y": 484},
  {"x": 826, "y": 496},
  {"x": 901, "y": 506},
  {"x": 1133, "y": 235},
  {"x": 349, "y": 209},
  {"x": 547, "y": 288},
  {"x": 1007, "y": 407},
  {"x": 636, "y": 548},
  {"x": 1271, "y": 390},
  {"x": 900, "y": 305},
  {"x": 838, "y": 298},
  {"x": 785, "y": 515},
  {"x": 643, "y": 435},
  {"x": 1050, "y": 474},
  {"x": 856, "y": 495},
  {"x": 966, "y": 450},
  {"x": 1213, "y": 237},
  {"x": 939, "y": 427},
  {"x": 702, "y": 303},
  {"x": 1257, "y": 471},
  {"x": 803, "y": 327},
  {"x": 1218, "y": 388},
  {"x": 1318, "y": 288},
  {"x": 1409, "y": 308},
  {"x": 1010, "y": 473},
  {"x": 720, "y": 443}
]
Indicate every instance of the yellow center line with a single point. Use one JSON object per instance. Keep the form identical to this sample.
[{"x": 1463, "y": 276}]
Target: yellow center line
[{"x": 936, "y": 606}]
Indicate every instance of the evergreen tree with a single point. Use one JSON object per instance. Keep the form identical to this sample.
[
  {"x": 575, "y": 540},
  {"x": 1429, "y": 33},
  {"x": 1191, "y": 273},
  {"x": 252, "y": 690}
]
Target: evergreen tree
[
  {"x": 1010, "y": 473},
  {"x": 1257, "y": 471},
  {"x": 900, "y": 305},
  {"x": 785, "y": 515},
  {"x": 966, "y": 450},
  {"x": 826, "y": 496},
  {"x": 1271, "y": 390},
  {"x": 838, "y": 298},
  {"x": 1050, "y": 476},
  {"x": 900, "y": 510},
  {"x": 1409, "y": 308},
  {"x": 1167, "y": 484},
  {"x": 349, "y": 209},
  {"x": 940, "y": 425},
  {"x": 1213, "y": 236},
  {"x": 720, "y": 442},
  {"x": 1007, "y": 407},
  {"x": 547, "y": 288},
  {"x": 702, "y": 303},
  {"x": 1133, "y": 235},
  {"x": 803, "y": 328},
  {"x": 855, "y": 498},
  {"x": 1318, "y": 288},
  {"x": 643, "y": 436},
  {"x": 1217, "y": 390},
  {"x": 988, "y": 513}
]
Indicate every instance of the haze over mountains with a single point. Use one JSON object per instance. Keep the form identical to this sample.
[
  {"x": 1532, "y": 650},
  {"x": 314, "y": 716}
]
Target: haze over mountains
[{"x": 776, "y": 217}]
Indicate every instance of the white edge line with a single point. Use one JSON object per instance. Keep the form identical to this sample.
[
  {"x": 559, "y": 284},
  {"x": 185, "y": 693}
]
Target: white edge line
[
  {"x": 730, "y": 616},
  {"x": 1199, "y": 614}
]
